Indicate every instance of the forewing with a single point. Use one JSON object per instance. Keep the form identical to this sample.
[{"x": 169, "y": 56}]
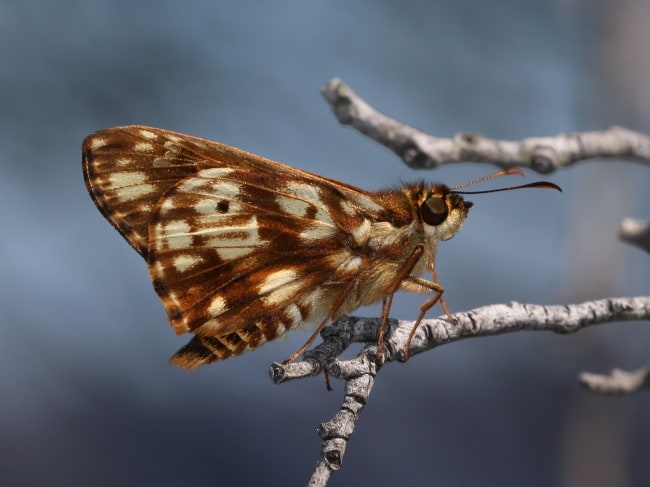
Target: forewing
[{"x": 128, "y": 169}]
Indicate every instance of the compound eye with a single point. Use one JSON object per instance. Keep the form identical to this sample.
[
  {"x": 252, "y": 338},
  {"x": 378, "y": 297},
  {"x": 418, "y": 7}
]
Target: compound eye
[{"x": 434, "y": 210}]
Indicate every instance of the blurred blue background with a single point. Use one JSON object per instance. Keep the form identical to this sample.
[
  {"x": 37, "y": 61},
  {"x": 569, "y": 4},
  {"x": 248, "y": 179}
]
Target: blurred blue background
[{"x": 87, "y": 395}]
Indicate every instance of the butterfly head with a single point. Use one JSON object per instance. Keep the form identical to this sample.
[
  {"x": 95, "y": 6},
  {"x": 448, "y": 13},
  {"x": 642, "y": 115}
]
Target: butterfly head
[{"x": 442, "y": 212}]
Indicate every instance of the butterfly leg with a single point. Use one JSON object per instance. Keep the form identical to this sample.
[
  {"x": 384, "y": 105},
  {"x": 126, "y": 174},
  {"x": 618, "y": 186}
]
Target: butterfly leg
[
  {"x": 400, "y": 277},
  {"x": 417, "y": 284},
  {"x": 386, "y": 304}
]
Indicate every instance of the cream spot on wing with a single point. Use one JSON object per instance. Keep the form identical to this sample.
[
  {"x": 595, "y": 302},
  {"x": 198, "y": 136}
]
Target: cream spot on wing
[
  {"x": 127, "y": 178},
  {"x": 366, "y": 203},
  {"x": 210, "y": 327},
  {"x": 279, "y": 286},
  {"x": 292, "y": 206},
  {"x": 226, "y": 189},
  {"x": 277, "y": 279},
  {"x": 185, "y": 262},
  {"x": 148, "y": 134},
  {"x": 123, "y": 161},
  {"x": 360, "y": 234},
  {"x": 174, "y": 138},
  {"x": 97, "y": 142},
  {"x": 234, "y": 241},
  {"x": 322, "y": 215},
  {"x": 217, "y": 306},
  {"x": 190, "y": 185},
  {"x": 280, "y": 329},
  {"x": 232, "y": 253},
  {"x": 215, "y": 172},
  {"x": 307, "y": 192},
  {"x": 167, "y": 204},
  {"x": 347, "y": 208},
  {"x": 177, "y": 234},
  {"x": 317, "y": 232},
  {"x": 311, "y": 194},
  {"x": 130, "y": 185},
  {"x": 205, "y": 180},
  {"x": 143, "y": 147},
  {"x": 205, "y": 206}
]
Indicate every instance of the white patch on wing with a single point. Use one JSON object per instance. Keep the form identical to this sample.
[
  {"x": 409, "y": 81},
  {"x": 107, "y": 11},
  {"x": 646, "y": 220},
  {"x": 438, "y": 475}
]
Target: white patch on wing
[
  {"x": 279, "y": 286},
  {"x": 143, "y": 147},
  {"x": 311, "y": 194},
  {"x": 185, "y": 262},
  {"x": 148, "y": 134},
  {"x": 97, "y": 142},
  {"x": 366, "y": 203},
  {"x": 292, "y": 206},
  {"x": 217, "y": 306},
  {"x": 167, "y": 204},
  {"x": 207, "y": 181},
  {"x": 232, "y": 253},
  {"x": 277, "y": 279},
  {"x": 234, "y": 241},
  {"x": 347, "y": 208},
  {"x": 317, "y": 232},
  {"x": 214, "y": 172},
  {"x": 127, "y": 178},
  {"x": 130, "y": 185},
  {"x": 176, "y": 234},
  {"x": 360, "y": 234}
]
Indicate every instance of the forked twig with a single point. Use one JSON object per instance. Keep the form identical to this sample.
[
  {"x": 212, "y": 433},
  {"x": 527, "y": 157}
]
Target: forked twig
[
  {"x": 422, "y": 151},
  {"x": 359, "y": 373}
]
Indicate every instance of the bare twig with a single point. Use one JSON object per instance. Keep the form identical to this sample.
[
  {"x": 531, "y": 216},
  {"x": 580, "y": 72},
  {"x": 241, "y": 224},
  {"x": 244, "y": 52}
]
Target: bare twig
[
  {"x": 617, "y": 382},
  {"x": 359, "y": 373},
  {"x": 422, "y": 151}
]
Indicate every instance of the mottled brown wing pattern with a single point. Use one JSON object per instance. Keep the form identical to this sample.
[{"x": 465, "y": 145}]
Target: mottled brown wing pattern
[
  {"x": 231, "y": 249},
  {"x": 240, "y": 248},
  {"x": 128, "y": 169}
]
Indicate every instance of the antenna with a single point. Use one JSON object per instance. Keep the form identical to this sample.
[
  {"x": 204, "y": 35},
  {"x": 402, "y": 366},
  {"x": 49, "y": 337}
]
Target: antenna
[{"x": 503, "y": 172}]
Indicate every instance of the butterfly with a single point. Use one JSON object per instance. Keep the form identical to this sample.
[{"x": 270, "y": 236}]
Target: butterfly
[{"x": 241, "y": 249}]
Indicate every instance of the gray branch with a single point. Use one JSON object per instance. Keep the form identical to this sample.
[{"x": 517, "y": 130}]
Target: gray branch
[
  {"x": 359, "y": 373},
  {"x": 617, "y": 382},
  {"x": 635, "y": 232},
  {"x": 422, "y": 151}
]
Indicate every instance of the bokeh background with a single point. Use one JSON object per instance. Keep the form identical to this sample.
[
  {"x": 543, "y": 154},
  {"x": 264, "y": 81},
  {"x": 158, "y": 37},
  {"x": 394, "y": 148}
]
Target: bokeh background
[{"x": 87, "y": 396}]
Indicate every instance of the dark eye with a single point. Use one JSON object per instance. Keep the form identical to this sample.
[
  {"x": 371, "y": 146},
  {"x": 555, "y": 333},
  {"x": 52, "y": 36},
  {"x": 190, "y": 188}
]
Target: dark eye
[{"x": 434, "y": 210}]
